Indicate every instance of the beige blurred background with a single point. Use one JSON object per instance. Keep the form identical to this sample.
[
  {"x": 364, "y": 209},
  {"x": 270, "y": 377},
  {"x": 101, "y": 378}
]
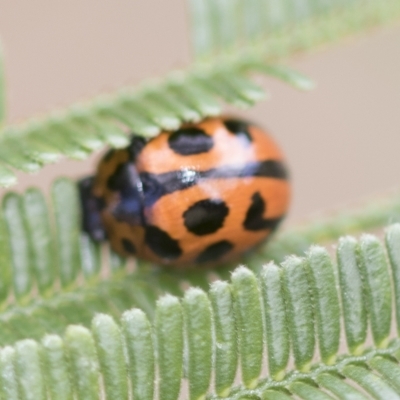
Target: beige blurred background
[{"x": 342, "y": 140}]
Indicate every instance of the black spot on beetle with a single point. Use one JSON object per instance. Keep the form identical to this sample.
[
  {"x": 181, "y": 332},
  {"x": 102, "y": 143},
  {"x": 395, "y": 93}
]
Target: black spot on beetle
[
  {"x": 121, "y": 178},
  {"x": 135, "y": 147},
  {"x": 255, "y": 220},
  {"x": 205, "y": 216},
  {"x": 189, "y": 141},
  {"x": 128, "y": 246},
  {"x": 161, "y": 243},
  {"x": 240, "y": 129},
  {"x": 214, "y": 252}
]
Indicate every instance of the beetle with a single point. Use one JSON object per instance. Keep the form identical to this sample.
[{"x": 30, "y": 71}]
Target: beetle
[{"x": 202, "y": 194}]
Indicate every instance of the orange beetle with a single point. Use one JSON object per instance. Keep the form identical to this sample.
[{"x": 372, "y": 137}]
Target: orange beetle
[{"x": 204, "y": 193}]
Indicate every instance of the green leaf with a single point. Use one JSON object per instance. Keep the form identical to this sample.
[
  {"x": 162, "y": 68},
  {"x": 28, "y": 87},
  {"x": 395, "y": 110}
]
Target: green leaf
[
  {"x": 139, "y": 343},
  {"x": 327, "y": 310},
  {"x": 90, "y": 257},
  {"x": 389, "y": 370},
  {"x": 84, "y": 363},
  {"x": 274, "y": 395},
  {"x": 197, "y": 317},
  {"x": 67, "y": 216},
  {"x": 305, "y": 391},
  {"x": 337, "y": 385},
  {"x": 377, "y": 287},
  {"x": 300, "y": 311},
  {"x": 226, "y": 353},
  {"x": 5, "y": 261},
  {"x": 354, "y": 307},
  {"x": 9, "y": 385},
  {"x": 110, "y": 352},
  {"x": 277, "y": 335},
  {"x": 370, "y": 382},
  {"x": 7, "y": 177},
  {"x": 42, "y": 244},
  {"x": 19, "y": 245},
  {"x": 169, "y": 333},
  {"x": 28, "y": 370},
  {"x": 55, "y": 368},
  {"x": 249, "y": 321},
  {"x": 285, "y": 74}
]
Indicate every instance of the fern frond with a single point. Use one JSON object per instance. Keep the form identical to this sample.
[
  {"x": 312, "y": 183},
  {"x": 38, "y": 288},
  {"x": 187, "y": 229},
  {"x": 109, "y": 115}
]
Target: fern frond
[
  {"x": 82, "y": 129},
  {"x": 278, "y": 28},
  {"x": 295, "y": 310},
  {"x": 53, "y": 275}
]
